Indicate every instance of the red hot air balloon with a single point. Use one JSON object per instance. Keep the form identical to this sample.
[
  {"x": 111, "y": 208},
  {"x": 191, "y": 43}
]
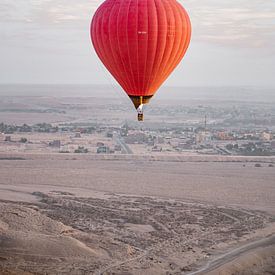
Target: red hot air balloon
[{"x": 140, "y": 42}]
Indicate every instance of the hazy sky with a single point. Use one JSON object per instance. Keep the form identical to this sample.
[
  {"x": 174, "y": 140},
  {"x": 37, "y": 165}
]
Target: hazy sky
[{"x": 47, "y": 41}]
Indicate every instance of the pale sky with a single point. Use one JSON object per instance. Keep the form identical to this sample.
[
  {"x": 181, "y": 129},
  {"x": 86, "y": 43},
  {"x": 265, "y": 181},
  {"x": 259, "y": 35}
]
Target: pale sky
[{"x": 48, "y": 41}]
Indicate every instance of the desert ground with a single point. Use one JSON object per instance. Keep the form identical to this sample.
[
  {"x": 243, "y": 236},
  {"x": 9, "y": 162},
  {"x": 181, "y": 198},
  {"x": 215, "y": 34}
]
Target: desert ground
[
  {"x": 84, "y": 214},
  {"x": 137, "y": 212}
]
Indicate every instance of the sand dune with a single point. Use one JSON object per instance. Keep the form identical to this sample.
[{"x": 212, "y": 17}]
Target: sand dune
[
  {"x": 28, "y": 236},
  {"x": 79, "y": 215}
]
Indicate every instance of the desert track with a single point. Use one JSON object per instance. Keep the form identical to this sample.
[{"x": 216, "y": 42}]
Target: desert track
[{"x": 227, "y": 258}]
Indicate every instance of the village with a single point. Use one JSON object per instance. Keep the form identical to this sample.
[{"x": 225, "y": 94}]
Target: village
[{"x": 102, "y": 139}]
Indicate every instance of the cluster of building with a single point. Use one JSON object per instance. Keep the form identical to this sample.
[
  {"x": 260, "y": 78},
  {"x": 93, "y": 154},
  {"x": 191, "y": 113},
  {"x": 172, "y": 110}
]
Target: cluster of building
[
  {"x": 116, "y": 140},
  {"x": 205, "y": 141}
]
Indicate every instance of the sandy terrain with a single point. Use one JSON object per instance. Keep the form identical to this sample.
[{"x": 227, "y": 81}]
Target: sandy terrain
[
  {"x": 64, "y": 234},
  {"x": 215, "y": 181},
  {"x": 255, "y": 257},
  {"x": 30, "y": 241},
  {"x": 146, "y": 213},
  {"x": 82, "y": 215}
]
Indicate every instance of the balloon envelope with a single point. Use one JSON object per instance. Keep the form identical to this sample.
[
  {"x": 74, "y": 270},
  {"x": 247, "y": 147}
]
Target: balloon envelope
[{"x": 140, "y": 42}]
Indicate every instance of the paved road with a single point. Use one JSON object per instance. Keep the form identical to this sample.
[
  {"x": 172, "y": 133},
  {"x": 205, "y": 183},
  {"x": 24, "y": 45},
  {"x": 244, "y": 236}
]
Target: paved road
[
  {"x": 233, "y": 254},
  {"x": 125, "y": 148}
]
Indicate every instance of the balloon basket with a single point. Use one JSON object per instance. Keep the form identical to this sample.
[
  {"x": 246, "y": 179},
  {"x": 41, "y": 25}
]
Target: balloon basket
[{"x": 140, "y": 117}]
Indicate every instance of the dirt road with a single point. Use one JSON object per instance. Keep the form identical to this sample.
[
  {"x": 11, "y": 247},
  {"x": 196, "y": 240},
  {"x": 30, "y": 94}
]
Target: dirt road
[{"x": 230, "y": 256}]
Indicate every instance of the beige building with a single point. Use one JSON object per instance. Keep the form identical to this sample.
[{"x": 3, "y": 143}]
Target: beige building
[
  {"x": 203, "y": 137},
  {"x": 265, "y": 136}
]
